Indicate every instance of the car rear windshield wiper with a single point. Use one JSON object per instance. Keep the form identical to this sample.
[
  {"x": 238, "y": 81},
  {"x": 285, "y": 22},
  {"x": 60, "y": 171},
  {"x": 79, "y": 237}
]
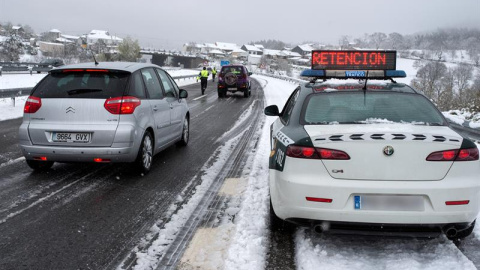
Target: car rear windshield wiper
[{"x": 81, "y": 91}]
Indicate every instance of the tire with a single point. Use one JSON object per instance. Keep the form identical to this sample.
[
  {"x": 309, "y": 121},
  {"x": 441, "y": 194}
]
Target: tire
[
  {"x": 145, "y": 154},
  {"x": 39, "y": 165},
  {"x": 465, "y": 233},
  {"x": 185, "y": 133},
  {"x": 245, "y": 93},
  {"x": 278, "y": 224},
  {"x": 220, "y": 93}
]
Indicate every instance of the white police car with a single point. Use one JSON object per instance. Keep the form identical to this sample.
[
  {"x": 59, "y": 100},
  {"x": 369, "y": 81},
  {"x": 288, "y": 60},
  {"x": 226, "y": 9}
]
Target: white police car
[{"x": 358, "y": 152}]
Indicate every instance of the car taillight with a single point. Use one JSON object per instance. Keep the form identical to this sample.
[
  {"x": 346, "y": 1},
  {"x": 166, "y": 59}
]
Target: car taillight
[
  {"x": 122, "y": 105},
  {"x": 244, "y": 76},
  {"x": 454, "y": 155},
  {"x": 32, "y": 105},
  {"x": 332, "y": 154},
  {"x": 315, "y": 153}
]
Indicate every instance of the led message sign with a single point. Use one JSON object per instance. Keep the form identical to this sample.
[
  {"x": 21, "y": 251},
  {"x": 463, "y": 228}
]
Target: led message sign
[{"x": 354, "y": 60}]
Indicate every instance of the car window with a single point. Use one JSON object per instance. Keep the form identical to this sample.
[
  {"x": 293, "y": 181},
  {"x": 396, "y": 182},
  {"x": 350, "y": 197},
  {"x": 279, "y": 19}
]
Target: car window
[
  {"x": 371, "y": 107},
  {"x": 288, "y": 108},
  {"x": 152, "y": 83},
  {"x": 175, "y": 86},
  {"x": 136, "y": 88},
  {"x": 232, "y": 69},
  {"x": 167, "y": 85},
  {"x": 82, "y": 85}
]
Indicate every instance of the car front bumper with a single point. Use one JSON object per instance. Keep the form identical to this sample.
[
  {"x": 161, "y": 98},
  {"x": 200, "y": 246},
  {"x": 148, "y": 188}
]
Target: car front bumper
[{"x": 305, "y": 178}]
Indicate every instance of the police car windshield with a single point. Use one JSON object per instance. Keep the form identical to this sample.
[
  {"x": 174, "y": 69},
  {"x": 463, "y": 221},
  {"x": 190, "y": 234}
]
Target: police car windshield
[{"x": 356, "y": 107}]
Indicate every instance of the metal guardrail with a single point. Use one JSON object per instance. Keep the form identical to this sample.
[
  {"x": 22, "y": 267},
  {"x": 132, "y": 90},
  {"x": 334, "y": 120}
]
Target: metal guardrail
[
  {"x": 15, "y": 92},
  {"x": 281, "y": 77}
]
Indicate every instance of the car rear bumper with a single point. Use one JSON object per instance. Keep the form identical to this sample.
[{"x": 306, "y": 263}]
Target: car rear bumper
[
  {"x": 79, "y": 154},
  {"x": 237, "y": 86},
  {"x": 290, "y": 188}
]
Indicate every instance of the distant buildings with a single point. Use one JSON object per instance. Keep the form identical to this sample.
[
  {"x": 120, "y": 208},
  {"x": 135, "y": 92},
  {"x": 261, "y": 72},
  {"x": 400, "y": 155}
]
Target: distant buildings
[{"x": 253, "y": 54}]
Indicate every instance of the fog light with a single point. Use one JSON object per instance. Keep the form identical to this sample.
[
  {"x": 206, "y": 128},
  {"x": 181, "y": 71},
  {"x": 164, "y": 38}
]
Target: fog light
[{"x": 101, "y": 160}]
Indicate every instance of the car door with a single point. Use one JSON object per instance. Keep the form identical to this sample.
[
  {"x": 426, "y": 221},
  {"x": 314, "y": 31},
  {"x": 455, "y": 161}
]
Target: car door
[
  {"x": 176, "y": 106},
  {"x": 159, "y": 106}
]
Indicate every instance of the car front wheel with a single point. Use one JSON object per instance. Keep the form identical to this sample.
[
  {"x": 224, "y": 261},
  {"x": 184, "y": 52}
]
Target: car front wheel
[{"x": 145, "y": 154}]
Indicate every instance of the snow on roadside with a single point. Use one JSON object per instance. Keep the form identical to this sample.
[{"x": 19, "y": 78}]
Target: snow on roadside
[
  {"x": 24, "y": 80},
  {"x": 250, "y": 242},
  {"x": 460, "y": 116},
  {"x": 149, "y": 259},
  {"x": 336, "y": 252},
  {"x": 8, "y": 111}
]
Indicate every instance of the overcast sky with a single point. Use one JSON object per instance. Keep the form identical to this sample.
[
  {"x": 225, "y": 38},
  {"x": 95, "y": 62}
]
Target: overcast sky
[{"x": 170, "y": 23}]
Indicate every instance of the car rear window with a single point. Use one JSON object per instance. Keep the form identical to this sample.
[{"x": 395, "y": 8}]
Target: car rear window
[
  {"x": 101, "y": 85},
  {"x": 370, "y": 107},
  {"x": 233, "y": 69}
]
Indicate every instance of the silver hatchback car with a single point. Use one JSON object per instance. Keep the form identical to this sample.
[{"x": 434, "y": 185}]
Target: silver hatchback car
[{"x": 107, "y": 112}]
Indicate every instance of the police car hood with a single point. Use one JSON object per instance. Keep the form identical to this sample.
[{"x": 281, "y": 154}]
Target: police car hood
[{"x": 394, "y": 152}]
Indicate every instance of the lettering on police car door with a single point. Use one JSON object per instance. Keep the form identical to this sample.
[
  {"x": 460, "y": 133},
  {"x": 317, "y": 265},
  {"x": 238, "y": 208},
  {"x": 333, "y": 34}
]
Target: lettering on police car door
[
  {"x": 284, "y": 139},
  {"x": 280, "y": 157}
]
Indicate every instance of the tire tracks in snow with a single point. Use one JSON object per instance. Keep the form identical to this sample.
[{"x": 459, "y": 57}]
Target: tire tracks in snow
[{"x": 167, "y": 241}]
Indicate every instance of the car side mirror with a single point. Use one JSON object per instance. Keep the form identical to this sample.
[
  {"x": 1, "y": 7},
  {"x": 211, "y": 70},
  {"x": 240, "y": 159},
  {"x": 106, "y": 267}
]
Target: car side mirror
[
  {"x": 271, "y": 110},
  {"x": 183, "y": 93},
  {"x": 250, "y": 73}
]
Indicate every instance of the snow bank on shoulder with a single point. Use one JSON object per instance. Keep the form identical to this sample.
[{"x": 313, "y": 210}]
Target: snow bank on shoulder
[
  {"x": 9, "y": 111},
  {"x": 12, "y": 80},
  {"x": 336, "y": 252}
]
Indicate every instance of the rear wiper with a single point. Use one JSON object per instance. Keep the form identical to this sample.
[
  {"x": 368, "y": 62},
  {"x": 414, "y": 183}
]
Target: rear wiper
[
  {"x": 81, "y": 91},
  {"x": 435, "y": 124}
]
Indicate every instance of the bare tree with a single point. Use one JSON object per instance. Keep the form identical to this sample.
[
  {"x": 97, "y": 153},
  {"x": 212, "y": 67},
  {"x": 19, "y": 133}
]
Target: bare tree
[
  {"x": 395, "y": 41},
  {"x": 378, "y": 39},
  {"x": 429, "y": 79}
]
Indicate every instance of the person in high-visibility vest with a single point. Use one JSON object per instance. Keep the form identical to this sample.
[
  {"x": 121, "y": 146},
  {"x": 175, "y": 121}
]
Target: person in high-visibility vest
[
  {"x": 203, "y": 79},
  {"x": 214, "y": 72}
]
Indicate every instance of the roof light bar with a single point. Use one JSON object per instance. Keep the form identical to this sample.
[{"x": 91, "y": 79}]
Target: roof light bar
[{"x": 354, "y": 74}]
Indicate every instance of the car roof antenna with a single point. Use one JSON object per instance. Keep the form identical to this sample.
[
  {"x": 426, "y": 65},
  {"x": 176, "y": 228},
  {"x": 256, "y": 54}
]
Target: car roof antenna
[
  {"x": 365, "y": 91},
  {"x": 366, "y": 80},
  {"x": 93, "y": 55}
]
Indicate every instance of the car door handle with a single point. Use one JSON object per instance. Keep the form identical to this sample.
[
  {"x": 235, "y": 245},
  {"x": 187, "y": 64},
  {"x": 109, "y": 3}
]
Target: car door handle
[
  {"x": 171, "y": 106},
  {"x": 155, "y": 108}
]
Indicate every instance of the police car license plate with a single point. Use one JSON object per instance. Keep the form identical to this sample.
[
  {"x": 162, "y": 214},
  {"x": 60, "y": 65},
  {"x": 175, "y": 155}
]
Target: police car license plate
[
  {"x": 389, "y": 202},
  {"x": 71, "y": 137}
]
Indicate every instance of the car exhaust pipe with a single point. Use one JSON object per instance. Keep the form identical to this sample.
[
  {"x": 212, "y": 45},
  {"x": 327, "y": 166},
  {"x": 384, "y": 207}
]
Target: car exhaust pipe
[
  {"x": 451, "y": 231},
  {"x": 321, "y": 228}
]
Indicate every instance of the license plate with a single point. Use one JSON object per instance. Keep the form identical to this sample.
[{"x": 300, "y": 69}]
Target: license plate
[
  {"x": 70, "y": 137},
  {"x": 388, "y": 202}
]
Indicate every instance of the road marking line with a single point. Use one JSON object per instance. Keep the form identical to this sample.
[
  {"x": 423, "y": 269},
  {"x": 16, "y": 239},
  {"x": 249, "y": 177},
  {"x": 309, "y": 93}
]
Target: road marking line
[
  {"x": 200, "y": 97},
  {"x": 9, "y": 216},
  {"x": 12, "y": 161},
  {"x": 208, "y": 248},
  {"x": 232, "y": 187}
]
